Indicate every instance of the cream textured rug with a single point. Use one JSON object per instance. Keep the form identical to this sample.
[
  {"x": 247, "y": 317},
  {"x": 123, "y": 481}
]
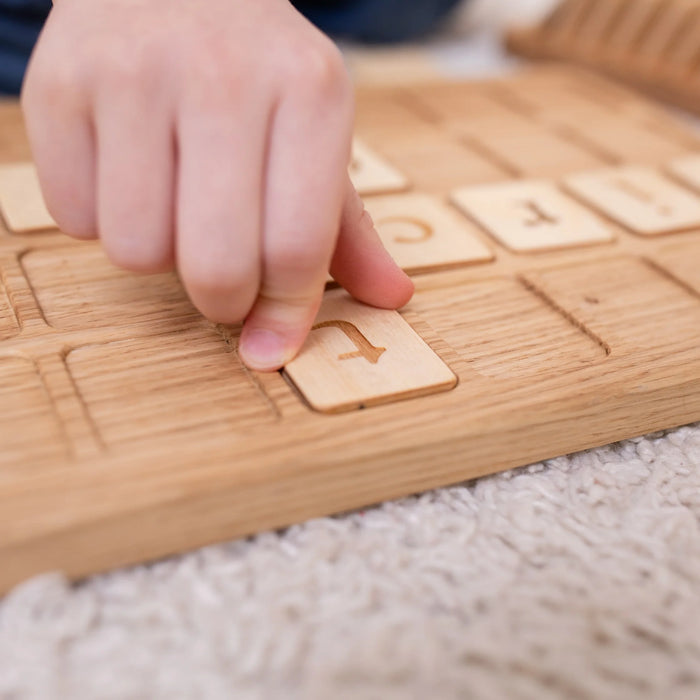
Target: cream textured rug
[{"x": 578, "y": 579}]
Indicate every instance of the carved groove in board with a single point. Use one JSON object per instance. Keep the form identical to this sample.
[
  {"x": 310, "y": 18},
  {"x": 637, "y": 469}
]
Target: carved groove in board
[
  {"x": 635, "y": 309},
  {"x": 571, "y": 318},
  {"x": 503, "y": 330},
  {"x": 35, "y": 311},
  {"x": 9, "y": 324},
  {"x": 27, "y": 408},
  {"x": 20, "y": 293},
  {"x": 491, "y": 154},
  {"x": 664, "y": 267},
  {"x": 438, "y": 344},
  {"x": 230, "y": 335},
  {"x": 142, "y": 388},
  {"x": 76, "y": 287},
  {"x": 69, "y": 406}
]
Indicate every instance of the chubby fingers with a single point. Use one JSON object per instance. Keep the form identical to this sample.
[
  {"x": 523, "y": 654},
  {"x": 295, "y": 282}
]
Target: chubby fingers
[
  {"x": 58, "y": 117},
  {"x": 360, "y": 262},
  {"x": 308, "y": 155},
  {"x": 222, "y": 143},
  {"x": 135, "y": 173}
]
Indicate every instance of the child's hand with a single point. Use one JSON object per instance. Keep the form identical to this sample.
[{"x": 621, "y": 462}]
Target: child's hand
[{"x": 214, "y": 135}]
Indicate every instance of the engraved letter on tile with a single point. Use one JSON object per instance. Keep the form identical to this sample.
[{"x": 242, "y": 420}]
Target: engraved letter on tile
[
  {"x": 639, "y": 198},
  {"x": 390, "y": 361},
  {"x": 531, "y": 216},
  {"x": 365, "y": 349}
]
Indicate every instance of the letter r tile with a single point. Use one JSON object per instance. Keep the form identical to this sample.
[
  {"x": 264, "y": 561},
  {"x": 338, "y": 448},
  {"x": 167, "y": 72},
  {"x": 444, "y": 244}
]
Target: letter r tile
[
  {"x": 21, "y": 201},
  {"x": 358, "y": 356}
]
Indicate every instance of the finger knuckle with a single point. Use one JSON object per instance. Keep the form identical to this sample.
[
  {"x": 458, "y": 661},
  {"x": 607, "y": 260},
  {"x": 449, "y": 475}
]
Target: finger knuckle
[
  {"x": 295, "y": 261},
  {"x": 76, "y": 224},
  {"x": 48, "y": 84},
  {"x": 319, "y": 68},
  {"x": 209, "y": 67},
  {"x": 69, "y": 204},
  {"x": 215, "y": 80},
  {"x": 222, "y": 290},
  {"x": 137, "y": 253},
  {"x": 124, "y": 73}
]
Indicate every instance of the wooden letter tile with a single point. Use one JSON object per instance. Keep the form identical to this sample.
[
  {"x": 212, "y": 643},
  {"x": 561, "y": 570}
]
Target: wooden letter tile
[
  {"x": 422, "y": 233},
  {"x": 531, "y": 216},
  {"x": 21, "y": 200},
  {"x": 639, "y": 198},
  {"x": 371, "y": 174},
  {"x": 687, "y": 170},
  {"x": 359, "y": 356}
]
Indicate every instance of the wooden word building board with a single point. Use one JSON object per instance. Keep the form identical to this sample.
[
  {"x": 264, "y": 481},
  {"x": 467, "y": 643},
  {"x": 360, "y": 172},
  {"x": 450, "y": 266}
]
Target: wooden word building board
[{"x": 557, "y": 307}]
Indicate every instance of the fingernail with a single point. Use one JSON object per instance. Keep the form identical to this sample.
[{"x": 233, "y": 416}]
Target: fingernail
[{"x": 262, "y": 349}]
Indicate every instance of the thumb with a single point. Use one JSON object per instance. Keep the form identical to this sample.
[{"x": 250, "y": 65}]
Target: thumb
[{"x": 360, "y": 262}]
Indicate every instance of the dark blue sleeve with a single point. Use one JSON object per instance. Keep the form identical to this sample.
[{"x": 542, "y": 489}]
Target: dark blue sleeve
[
  {"x": 364, "y": 20},
  {"x": 20, "y": 24},
  {"x": 376, "y": 21}
]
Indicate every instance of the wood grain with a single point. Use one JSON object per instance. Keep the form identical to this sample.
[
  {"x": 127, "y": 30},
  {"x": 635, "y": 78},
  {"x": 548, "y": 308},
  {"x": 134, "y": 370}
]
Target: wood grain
[
  {"x": 687, "y": 170},
  {"x": 423, "y": 234},
  {"x": 32, "y": 439},
  {"x": 640, "y": 198},
  {"x": 21, "y": 201},
  {"x": 653, "y": 44},
  {"x": 357, "y": 356},
  {"x": 532, "y": 216},
  {"x": 129, "y": 429}
]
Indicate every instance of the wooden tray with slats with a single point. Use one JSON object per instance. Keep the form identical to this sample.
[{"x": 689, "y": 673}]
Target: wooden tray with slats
[
  {"x": 551, "y": 221},
  {"x": 653, "y": 44}
]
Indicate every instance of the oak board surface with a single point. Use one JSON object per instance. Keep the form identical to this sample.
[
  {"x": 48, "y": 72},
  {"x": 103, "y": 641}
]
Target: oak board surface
[{"x": 130, "y": 430}]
